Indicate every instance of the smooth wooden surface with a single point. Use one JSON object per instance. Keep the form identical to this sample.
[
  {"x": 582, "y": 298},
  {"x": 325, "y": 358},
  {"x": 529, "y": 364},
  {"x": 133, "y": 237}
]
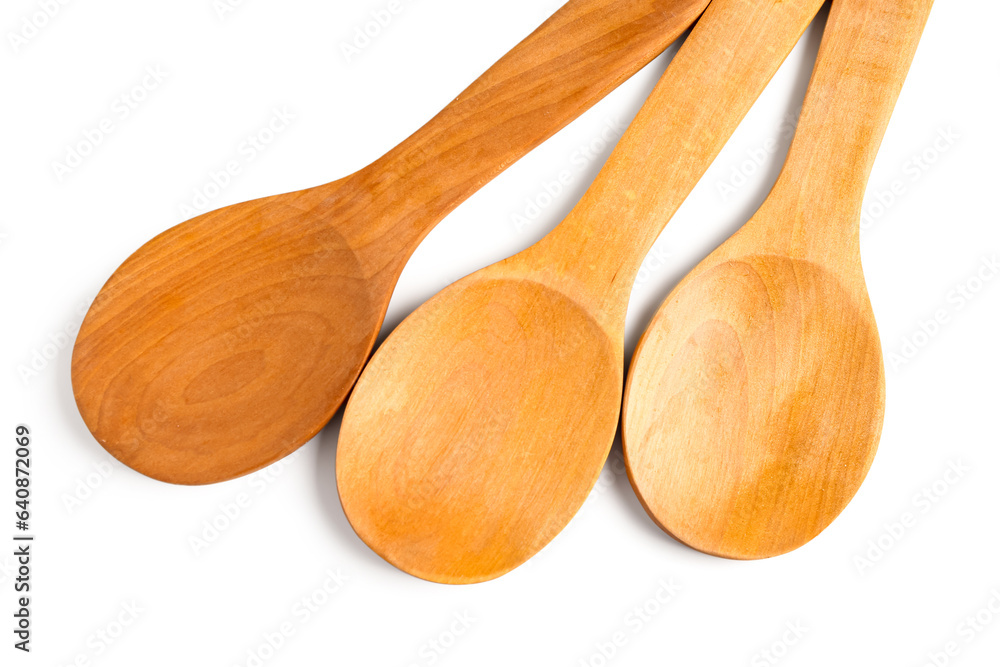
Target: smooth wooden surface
[
  {"x": 480, "y": 426},
  {"x": 755, "y": 399},
  {"x": 227, "y": 342}
]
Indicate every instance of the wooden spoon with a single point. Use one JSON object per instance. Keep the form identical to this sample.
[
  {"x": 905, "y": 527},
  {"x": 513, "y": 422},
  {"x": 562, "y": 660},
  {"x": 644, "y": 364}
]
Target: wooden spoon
[
  {"x": 755, "y": 399},
  {"x": 482, "y": 423},
  {"x": 227, "y": 342}
]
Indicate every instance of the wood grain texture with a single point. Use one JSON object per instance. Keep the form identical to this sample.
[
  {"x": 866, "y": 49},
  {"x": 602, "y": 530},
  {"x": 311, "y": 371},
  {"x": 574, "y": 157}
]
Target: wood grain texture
[
  {"x": 755, "y": 398},
  {"x": 480, "y": 426},
  {"x": 227, "y": 342}
]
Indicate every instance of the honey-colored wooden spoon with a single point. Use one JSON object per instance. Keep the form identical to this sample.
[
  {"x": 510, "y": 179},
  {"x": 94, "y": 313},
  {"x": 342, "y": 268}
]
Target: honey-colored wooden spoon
[
  {"x": 480, "y": 426},
  {"x": 755, "y": 398},
  {"x": 227, "y": 342}
]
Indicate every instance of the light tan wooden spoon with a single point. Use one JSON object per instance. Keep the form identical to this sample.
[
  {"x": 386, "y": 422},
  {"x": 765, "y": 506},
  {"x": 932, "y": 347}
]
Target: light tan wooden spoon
[
  {"x": 227, "y": 342},
  {"x": 755, "y": 398},
  {"x": 480, "y": 426}
]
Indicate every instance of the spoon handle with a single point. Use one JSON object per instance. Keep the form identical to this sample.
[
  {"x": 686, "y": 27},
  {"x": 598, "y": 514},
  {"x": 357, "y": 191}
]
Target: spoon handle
[
  {"x": 578, "y": 56},
  {"x": 714, "y": 79},
  {"x": 863, "y": 60}
]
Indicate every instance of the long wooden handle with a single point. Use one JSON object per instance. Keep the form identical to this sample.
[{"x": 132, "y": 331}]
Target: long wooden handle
[
  {"x": 583, "y": 52},
  {"x": 863, "y": 60},
  {"x": 714, "y": 79}
]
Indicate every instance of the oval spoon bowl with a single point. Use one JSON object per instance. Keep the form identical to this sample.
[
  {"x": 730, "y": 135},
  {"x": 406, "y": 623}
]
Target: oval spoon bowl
[
  {"x": 448, "y": 414},
  {"x": 770, "y": 384},
  {"x": 180, "y": 373}
]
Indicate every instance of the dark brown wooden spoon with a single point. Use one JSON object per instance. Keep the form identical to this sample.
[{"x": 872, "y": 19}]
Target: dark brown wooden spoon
[{"x": 227, "y": 342}]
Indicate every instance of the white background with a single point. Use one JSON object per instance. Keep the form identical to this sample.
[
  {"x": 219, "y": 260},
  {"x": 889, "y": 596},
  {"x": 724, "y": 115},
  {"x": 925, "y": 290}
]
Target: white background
[{"x": 108, "y": 537}]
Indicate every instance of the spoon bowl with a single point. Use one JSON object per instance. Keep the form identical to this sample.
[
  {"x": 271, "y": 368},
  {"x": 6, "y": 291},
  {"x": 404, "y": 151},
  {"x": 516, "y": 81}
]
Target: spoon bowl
[
  {"x": 769, "y": 380},
  {"x": 449, "y": 413},
  {"x": 181, "y": 372}
]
